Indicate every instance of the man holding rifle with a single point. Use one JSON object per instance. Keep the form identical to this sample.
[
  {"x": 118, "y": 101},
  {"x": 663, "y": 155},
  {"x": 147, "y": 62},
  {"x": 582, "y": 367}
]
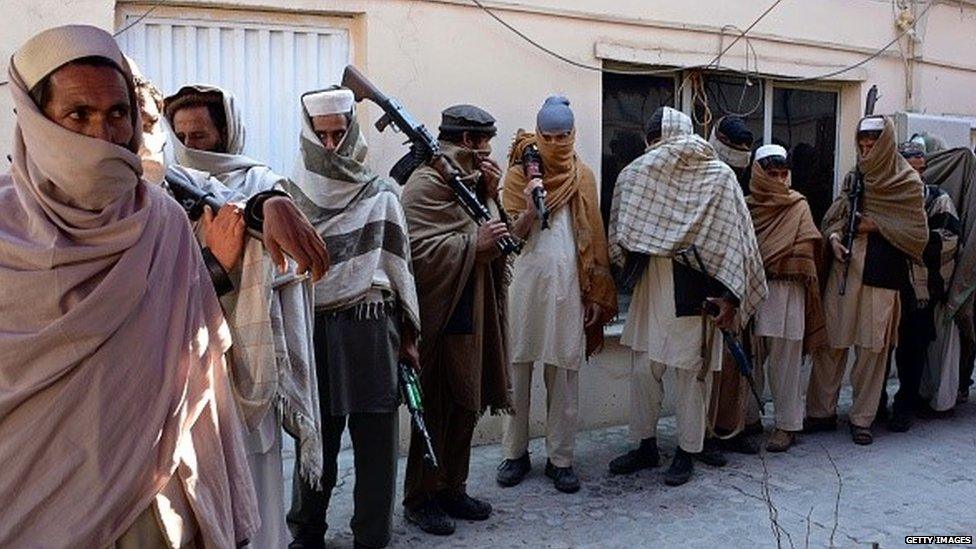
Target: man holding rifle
[
  {"x": 461, "y": 289},
  {"x": 680, "y": 228},
  {"x": 366, "y": 317},
  {"x": 861, "y": 298},
  {"x": 562, "y": 293}
]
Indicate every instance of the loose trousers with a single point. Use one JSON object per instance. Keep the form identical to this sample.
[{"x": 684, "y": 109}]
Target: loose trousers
[
  {"x": 784, "y": 368},
  {"x": 562, "y": 411},
  {"x": 867, "y": 378},
  {"x": 647, "y": 395},
  {"x": 374, "y": 442}
]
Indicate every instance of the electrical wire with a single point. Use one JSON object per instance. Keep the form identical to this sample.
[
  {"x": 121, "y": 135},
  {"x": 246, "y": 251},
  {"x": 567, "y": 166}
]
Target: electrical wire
[
  {"x": 119, "y": 32},
  {"x": 654, "y": 72},
  {"x": 866, "y": 59},
  {"x": 138, "y": 19}
]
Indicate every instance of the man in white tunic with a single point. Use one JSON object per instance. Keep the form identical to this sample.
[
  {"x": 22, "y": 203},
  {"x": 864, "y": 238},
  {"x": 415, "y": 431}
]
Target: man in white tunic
[
  {"x": 680, "y": 228},
  {"x": 561, "y": 294},
  {"x": 790, "y": 321}
]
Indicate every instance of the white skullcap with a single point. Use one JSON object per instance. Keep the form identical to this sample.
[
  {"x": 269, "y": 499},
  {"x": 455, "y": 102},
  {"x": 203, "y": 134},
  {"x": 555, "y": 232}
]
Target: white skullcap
[
  {"x": 770, "y": 150},
  {"x": 323, "y": 103},
  {"x": 873, "y": 124}
]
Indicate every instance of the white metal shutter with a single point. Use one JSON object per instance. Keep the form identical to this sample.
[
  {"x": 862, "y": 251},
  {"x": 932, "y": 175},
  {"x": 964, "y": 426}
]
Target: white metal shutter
[{"x": 266, "y": 67}]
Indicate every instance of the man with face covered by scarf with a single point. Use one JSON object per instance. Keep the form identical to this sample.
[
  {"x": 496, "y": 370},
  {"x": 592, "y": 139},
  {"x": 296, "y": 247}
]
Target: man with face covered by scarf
[
  {"x": 561, "y": 295},
  {"x": 366, "y": 320},
  {"x": 116, "y": 410},
  {"x": 927, "y": 353},
  {"x": 462, "y": 292},
  {"x": 732, "y": 420},
  {"x": 270, "y": 314},
  {"x": 789, "y": 323},
  {"x": 892, "y": 233},
  {"x": 210, "y": 134}
]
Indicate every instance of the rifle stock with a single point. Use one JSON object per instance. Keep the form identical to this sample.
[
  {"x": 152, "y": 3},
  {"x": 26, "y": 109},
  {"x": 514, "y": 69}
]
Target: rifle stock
[{"x": 423, "y": 149}]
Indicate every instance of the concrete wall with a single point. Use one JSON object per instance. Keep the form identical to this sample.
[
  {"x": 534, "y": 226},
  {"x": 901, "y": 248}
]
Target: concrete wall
[{"x": 434, "y": 53}]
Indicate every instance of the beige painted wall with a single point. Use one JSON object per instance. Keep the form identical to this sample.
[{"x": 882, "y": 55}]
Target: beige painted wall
[{"x": 433, "y": 53}]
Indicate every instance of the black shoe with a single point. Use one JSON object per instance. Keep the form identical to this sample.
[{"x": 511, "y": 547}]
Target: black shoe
[
  {"x": 308, "y": 542},
  {"x": 512, "y": 471},
  {"x": 680, "y": 470},
  {"x": 430, "y": 518},
  {"x": 819, "y": 424},
  {"x": 711, "y": 454},
  {"x": 464, "y": 507},
  {"x": 899, "y": 422},
  {"x": 564, "y": 478},
  {"x": 644, "y": 457},
  {"x": 740, "y": 444}
]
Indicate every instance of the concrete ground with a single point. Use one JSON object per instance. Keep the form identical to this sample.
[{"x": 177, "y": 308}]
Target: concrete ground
[{"x": 824, "y": 492}]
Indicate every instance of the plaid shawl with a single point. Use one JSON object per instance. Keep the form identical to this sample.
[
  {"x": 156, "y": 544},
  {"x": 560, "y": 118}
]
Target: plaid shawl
[{"x": 679, "y": 194}]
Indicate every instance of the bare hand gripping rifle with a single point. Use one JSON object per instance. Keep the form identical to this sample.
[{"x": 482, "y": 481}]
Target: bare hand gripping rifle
[
  {"x": 412, "y": 397},
  {"x": 424, "y": 149},
  {"x": 855, "y": 199},
  {"x": 743, "y": 361}
]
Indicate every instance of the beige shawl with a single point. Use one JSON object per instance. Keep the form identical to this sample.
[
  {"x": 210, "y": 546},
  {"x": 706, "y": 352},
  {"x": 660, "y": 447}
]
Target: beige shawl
[
  {"x": 270, "y": 315},
  {"x": 893, "y": 198},
  {"x": 790, "y": 244},
  {"x": 112, "y": 379}
]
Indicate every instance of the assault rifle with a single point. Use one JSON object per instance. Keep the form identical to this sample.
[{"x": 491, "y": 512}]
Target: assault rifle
[
  {"x": 410, "y": 391},
  {"x": 855, "y": 197},
  {"x": 424, "y": 149},
  {"x": 532, "y": 166},
  {"x": 743, "y": 362}
]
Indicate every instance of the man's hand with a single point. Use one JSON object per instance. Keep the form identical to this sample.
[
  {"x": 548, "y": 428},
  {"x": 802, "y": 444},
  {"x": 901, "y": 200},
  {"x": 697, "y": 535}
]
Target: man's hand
[
  {"x": 224, "y": 234},
  {"x": 491, "y": 175},
  {"x": 287, "y": 231},
  {"x": 592, "y": 313},
  {"x": 523, "y": 226},
  {"x": 725, "y": 319},
  {"x": 866, "y": 225},
  {"x": 408, "y": 347},
  {"x": 840, "y": 252},
  {"x": 532, "y": 186},
  {"x": 489, "y": 234}
]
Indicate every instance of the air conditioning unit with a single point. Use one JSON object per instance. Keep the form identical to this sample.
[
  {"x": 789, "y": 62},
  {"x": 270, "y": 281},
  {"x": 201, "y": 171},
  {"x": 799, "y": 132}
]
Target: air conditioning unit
[{"x": 956, "y": 131}]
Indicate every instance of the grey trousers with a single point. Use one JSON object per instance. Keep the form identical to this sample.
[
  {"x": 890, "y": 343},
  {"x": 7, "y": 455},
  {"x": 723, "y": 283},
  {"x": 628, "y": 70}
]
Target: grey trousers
[{"x": 374, "y": 441}]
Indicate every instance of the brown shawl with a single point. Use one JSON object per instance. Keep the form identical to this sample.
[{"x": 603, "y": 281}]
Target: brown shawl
[
  {"x": 893, "y": 198},
  {"x": 568, "y": 181},
  {"x": 789, "y": 243},
  {"x": 473, "y": 367},
  {"x": 112, "y": 378}
]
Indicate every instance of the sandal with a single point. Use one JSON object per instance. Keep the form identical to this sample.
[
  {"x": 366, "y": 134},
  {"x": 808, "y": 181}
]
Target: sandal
[{"x": 861, "y": 435}]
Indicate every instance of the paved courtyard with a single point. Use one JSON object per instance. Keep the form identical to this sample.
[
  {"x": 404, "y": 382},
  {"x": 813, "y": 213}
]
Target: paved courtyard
[{"x": 825, "y": 491}]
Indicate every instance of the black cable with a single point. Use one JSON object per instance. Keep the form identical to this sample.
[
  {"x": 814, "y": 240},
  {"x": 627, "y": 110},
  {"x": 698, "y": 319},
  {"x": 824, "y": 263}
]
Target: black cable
[
  {"x": 138, "y": 19},
  {"x": 656, "y": 72},
  {"x": 865, "y": 60},
  {"x": 117, "y": 33}
]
